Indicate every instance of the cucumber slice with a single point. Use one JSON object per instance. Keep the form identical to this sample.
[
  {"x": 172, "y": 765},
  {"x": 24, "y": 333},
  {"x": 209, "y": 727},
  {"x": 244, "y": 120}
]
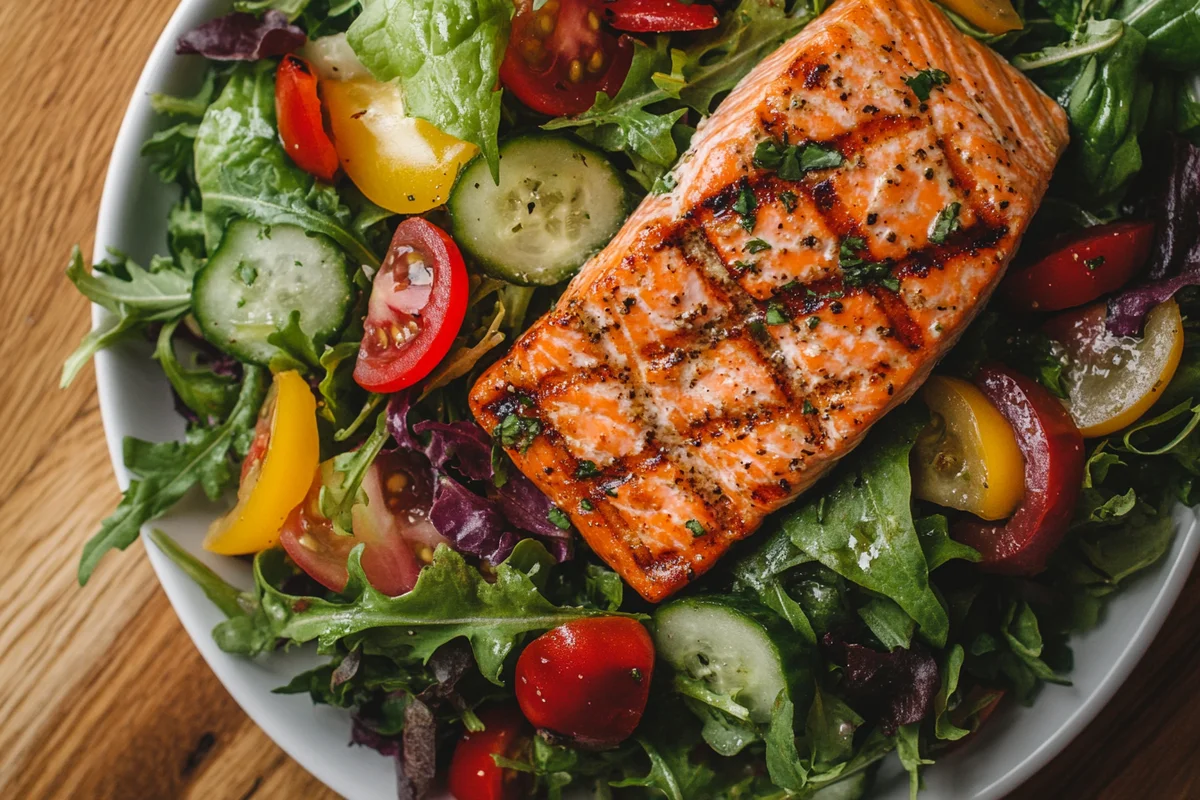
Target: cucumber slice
[
  {"x": 258, "y": 276},
  {"x": 734, "y": 649},
  {"x": 556, "y": 205}
]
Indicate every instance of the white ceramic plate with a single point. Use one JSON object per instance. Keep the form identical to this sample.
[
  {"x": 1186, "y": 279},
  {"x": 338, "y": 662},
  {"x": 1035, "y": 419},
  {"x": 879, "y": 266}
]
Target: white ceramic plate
[{"x": 135, "y": 401}]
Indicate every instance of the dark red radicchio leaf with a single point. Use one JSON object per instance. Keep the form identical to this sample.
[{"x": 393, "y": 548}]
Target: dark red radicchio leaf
[
  {"x": 415, "y": 750},
  {"x": 897, "y": 688},
  {"x": 476, "y": 524},
  {"x": 242, "y": 37},
  {"x": 1175, "y": 259}
]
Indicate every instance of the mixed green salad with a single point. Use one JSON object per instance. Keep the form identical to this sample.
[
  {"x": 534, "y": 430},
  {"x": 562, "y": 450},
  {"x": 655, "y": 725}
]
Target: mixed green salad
[{"x": 377, "y": 196}]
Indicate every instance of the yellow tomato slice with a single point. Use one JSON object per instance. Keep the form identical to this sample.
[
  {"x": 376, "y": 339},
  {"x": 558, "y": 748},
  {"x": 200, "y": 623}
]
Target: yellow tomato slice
[
  {"x": 1113, "y": 380},
  {"x": 968, "y": 457},
  {"x": 278, "y": 471},
  {"x": 991, "y": 16},
  {"x": 404, "y": 164}
]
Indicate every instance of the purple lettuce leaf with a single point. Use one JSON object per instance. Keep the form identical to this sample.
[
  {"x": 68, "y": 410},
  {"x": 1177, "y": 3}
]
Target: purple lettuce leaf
[
  {"x": 897, "y": 688},
  {"x": 472, "y": 523},
  {"x": 414, "y": 750},
  {"x": 242, "y": 37},
  {"x": 464, "y": 443},
  {"x": 1175, "y": 259}
]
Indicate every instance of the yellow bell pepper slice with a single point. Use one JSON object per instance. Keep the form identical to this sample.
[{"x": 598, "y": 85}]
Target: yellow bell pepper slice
[
  {"x": 968, "y": 457},
  {"x": 990, "y": 16},
  {"x": 399, "y": 162},
  {"x": 277, "y": 473}
]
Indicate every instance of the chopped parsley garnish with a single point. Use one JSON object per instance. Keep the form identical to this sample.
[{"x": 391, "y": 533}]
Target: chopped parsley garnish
[
  {"x": 586, "y": 469},
  {"x": 791, "y": 162},
  {"x": 499, "y": 465},
  {"x": 923, "y": 82},
  {"x": 808, "y": 407},
  {"x": 1094, "y": 263},
  {"x": 857, "y": 271},
  {"x": 695, "y": 527},
  {"x": 789, "y": 201},
  {"x": 663, "y": 184},
  {"x": 516, "y": 431},
  {"x": 757, "y": 246},
  {"x": 586, "y": 505},
  {"x": 559, "y": 517},
  {"x": 947, "y": 222},
  {"x": 746, "y": 266},
  {"x": 746, "y": 205},
  {"x": 777, "y": 314},
  {"x": 246, "y": 273},
  {"x": 813, "y": 322}
]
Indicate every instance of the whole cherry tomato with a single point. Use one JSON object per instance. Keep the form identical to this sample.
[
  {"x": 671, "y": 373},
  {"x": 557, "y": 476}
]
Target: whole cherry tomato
[
  {"x": 588, "y": 679},
  {"x": 1081, "y": 268},
  {"x": 1053, "y": 451},
  {"x": 301, "y": 123},
  {"x": 418, "y": 302},
  {"x": 473, "y": 772}
]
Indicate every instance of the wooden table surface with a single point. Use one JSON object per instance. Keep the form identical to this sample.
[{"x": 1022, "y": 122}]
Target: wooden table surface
[{"x": 101, "y": 692}]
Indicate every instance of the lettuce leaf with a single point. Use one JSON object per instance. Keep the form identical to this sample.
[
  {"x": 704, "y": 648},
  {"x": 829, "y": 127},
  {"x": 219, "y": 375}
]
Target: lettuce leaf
[{"x": 447, "y": 56}]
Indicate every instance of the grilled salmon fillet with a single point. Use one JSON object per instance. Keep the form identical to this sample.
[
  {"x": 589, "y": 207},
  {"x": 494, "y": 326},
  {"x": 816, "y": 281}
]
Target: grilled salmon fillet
[{"x": 743, "y": 331}]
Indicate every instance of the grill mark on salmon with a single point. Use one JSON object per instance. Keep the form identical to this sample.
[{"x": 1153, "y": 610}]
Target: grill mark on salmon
[{"x": 658, "y": 364}]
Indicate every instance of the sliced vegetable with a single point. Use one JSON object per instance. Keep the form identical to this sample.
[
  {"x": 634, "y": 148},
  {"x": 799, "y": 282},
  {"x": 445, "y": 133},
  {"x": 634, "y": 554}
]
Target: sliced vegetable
[
  {"x": 275, "y": 472},
  {"x": 1082, "y": 268},
  {"x": 418, "y": 302},
  {"x": 732, "y": 653},
  {"x": 393, "y": 524},
  {"x": 1053, "y": 451},
  {"x": 1113, "y": 380},
  {"x": 557, "y": 203},
  {"x": 474, "y": 774},
  {"x": 400, "y": 162},
  {"x": 968, "y": 456},
  {"x": 588, "y": 680},
  {"x": 659, "y": 16},
  {"x": 259, "y": 277},
  {"x": 301, "y": 122},
  {"x": 559, "y": 56},
  {"x": 990, "y": 16}
]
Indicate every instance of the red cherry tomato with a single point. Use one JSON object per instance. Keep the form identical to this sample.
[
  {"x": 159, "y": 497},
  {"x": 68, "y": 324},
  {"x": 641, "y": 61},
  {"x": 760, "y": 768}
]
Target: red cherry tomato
[
  {"x": 301, "y": 123},
  {"x": 659, "y": 16},
  {"x": 473, "y": 772},
  {"x": 587, "y": 679},
  {"x": 394, "y": 524},
  {"x": 1082, "y": 268},
  {"x": 418, "y": 302},
  {"x": 559, "y": 56},
  {"x": 1053, "y": 451}
]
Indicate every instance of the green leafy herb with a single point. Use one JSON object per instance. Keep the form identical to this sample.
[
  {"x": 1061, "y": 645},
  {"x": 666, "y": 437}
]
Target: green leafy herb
[
  {"x": 695, "y": 527},
  {"x": 813, "y": 322},
  {"x": 559, "y": 517},
  {"x": 517, "y": 432},
  {"x": 757, "y": 246},
  {"x": 587, "y": 469},
  {"x": 908, "y": 748},
  {"x": 746, "y": 206},
  {"x": 857, "y": 271},
  {"x": 789, "y": 200},
  {"x": 777, "y": 314},
  {"x": 947, "y": 222},
  {"x": 170, "y": 151},
  {"x": 451, "y": 599},
  {"x": 209, "y": 395},
  {"x": 809, "y": 408},
  {"x": 586, "y": 505},
  {"x": 923, "y": 82},
  {"x": 792, "y": 162},
  {"x": 167, "y": 470},
  {"x": 447, "y": 56},
  {"x": 888, "y": 622},
  {"x": 341, "y": 487}
]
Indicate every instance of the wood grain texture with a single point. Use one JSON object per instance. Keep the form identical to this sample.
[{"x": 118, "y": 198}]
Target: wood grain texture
[{"x": 103, "y": 695}]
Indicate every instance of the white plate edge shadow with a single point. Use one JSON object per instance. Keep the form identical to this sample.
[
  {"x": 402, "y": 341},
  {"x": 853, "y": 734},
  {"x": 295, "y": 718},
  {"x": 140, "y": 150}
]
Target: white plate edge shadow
[{"x": 358, "y": 773}]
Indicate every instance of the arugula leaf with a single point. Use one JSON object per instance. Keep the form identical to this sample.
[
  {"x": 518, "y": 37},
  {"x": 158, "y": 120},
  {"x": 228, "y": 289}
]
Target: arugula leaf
[
  {"x": 950, "y": 670},
  {"x": 192, "y": 107},
  {"x": 341, "y": 487},
  {"x": 231, "y": 601},
  {"x": 136, "y": 296},
  {"x": 862, "y": 526},
  {"x": 908, "y": 747},
  {"x": 205, "y": 392},
  {"x": 888, "y": 622},
  {"x": 243, "y": 171},
  {"x": 297, "y": 350},
  {"x": 783, "y": 760},
  {"x": 166, "y": 471},
  {"x": 830, "y": 730},
  {"x": 451, "y": 599},
  {"x": 447, "y": 55},
  {"x": 937, "y": 545}
]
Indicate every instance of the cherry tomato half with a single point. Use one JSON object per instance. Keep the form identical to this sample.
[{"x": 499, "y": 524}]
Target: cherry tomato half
[
  {"x": 1053, "y": 451},
  {"x": 588, "y": 679},
  {"x": 473, "y": 772},
  {"x": 1081, "y": 268},
  {"x": 417, "y": 306},
  {"x": 659, "y": 16},
  {"x": 301, "y": 124},
  {"x": 394, "y": 524},
  {"x": 559, "y": 56}
]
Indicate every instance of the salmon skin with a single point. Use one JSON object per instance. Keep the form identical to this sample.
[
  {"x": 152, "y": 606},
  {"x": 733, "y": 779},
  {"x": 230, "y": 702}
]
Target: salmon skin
[{"x": 742, "y": 332}]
